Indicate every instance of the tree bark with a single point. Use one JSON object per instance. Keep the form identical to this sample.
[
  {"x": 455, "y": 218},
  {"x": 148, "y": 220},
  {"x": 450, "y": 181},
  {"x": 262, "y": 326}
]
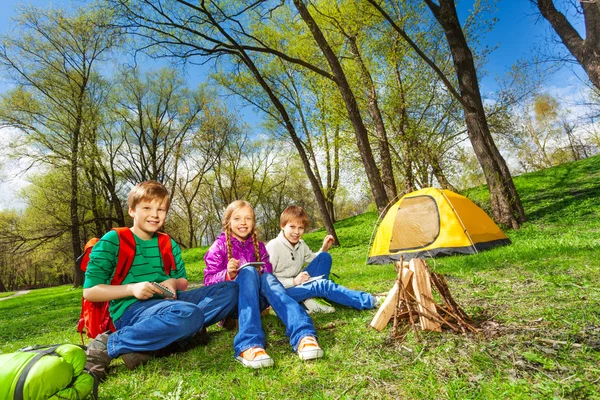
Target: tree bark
[
  {"x": 387, "y": 170},
  {"x": 321, "y": 201},
  {"x": 360, "y": 131},
  {"x": 74, "y": 203},
  {"x": 586, "y": 51},
  {"x": 407, "y": 141},
  {"x": 506, "y": 204}
]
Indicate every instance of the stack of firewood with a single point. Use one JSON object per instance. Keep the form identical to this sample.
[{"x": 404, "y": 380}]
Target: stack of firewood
[{"x": 411, "y": 303}]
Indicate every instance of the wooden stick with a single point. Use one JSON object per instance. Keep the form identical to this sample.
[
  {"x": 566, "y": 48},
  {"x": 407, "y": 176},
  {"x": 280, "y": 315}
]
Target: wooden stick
[
  {"x": 422, "y": 289},
  {"x": 404, "y": 293},
  {"x": 442, "y": 287},
  {"x": 386, "y": 310},
  {"x": 553, "y": 342},
  {"x": 399, "y": 268}
]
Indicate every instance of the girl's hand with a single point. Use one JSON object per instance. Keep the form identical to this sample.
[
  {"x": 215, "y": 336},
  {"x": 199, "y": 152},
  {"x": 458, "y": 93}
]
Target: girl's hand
[
  {"x": 143, "y": 290},
  {"x": 232, "y": 267},
  {"x": 301, "y": 278},
  {"x": 327, "y": 243}
]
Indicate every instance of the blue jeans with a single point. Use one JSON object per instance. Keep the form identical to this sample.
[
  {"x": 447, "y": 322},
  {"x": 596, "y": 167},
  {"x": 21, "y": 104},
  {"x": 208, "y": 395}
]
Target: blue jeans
[
  {"x": 320, "y": 265},
  {"x": 149, "y": 325},
  {"x": 328, "y": 289},
  {"x": 257, "y": 292}
]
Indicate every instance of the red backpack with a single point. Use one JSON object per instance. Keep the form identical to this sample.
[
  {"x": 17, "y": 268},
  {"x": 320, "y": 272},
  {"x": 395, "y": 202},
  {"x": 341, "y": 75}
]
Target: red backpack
[{"x": 95, "y": 317}]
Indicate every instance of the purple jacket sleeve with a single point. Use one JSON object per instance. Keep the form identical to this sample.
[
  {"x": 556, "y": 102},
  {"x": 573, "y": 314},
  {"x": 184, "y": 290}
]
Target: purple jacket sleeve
[
  {"x": 264, "y": 256},
  {"x": 216, "y": 263}
]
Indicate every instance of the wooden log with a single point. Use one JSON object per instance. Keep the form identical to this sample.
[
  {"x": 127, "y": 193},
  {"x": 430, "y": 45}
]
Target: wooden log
[
  {"x": 421, "y": 285},
  {"x": 386, "y": 310},
  {"x": 399, "y": 268}
]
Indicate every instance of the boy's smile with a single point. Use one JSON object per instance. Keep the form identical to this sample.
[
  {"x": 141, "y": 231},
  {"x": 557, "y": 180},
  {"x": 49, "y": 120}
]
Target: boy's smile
[
  {"x": 148, "y": 218},
  {"x": 242, "y": 223},
  {"x": 293, "y": 231}
]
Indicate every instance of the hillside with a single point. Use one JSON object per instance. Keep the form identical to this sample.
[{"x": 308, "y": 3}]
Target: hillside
[{"x": 537, "y": 302}]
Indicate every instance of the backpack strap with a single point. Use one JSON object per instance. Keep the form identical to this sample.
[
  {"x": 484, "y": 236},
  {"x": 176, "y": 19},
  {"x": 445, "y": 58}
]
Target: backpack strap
[
  {"x": 166, "y": 250},
  {"x": 126, "y": 255},
  {"x": 83, "y": 260},
  {"x": 23, "y": 377}
]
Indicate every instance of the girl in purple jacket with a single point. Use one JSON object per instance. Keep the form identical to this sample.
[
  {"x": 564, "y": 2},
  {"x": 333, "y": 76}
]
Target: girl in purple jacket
[{"x": 225, "y": 260}]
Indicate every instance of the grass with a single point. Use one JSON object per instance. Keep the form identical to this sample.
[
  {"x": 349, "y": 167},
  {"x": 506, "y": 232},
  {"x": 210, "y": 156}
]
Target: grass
[{"x": 537, "y": 301}]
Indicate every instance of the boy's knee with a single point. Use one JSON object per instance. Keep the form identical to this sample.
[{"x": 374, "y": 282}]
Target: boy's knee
[
  {"x": 183, "y": 309},
  {"x": 325, "y": 257},
  {"x": 189, "y": 318},
  {"x": 229, "y": 289},
  {"x": 233, "y": 288}
]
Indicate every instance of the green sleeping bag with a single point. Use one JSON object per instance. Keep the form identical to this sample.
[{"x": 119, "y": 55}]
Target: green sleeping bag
[{"x": 45, "y": 372}]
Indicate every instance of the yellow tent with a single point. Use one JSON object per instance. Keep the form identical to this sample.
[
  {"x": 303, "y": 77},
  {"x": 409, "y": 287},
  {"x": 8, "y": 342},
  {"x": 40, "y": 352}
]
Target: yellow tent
[{"x": 433, "y": 222}]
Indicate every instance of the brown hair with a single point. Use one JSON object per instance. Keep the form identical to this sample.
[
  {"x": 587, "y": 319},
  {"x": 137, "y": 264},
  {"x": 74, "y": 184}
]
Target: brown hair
[
  {"x": 148, "y": 191},
  {"x": 294, "y": 213},
  {"x": 226, "y": 223}
]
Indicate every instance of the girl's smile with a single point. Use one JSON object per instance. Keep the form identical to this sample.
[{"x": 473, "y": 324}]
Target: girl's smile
[{"x": 242, "y": 223}]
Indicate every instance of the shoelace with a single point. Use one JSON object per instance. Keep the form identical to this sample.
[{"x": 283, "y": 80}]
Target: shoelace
[
  {"x": 253, "y": 353},
  {"x": 308, "y": 341}
]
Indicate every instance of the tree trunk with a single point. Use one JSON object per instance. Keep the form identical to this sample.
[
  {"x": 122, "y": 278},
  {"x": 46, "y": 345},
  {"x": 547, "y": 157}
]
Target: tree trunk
[
  {"x": 360, "y": 131},
  {"x": 586, "y": 52},
  {"x": 75, "y": 237},
  {"x": 321, "y": 201},
  {"x": 387, "y": 171},
  {"x": 506, "y": 204},
  {"x": 408, "y": 145},
  {"x": 439, "y": 174}
]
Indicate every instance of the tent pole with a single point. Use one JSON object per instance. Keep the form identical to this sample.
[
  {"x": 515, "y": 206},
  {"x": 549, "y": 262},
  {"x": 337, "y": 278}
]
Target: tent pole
[{"x": 459, "y": 220}]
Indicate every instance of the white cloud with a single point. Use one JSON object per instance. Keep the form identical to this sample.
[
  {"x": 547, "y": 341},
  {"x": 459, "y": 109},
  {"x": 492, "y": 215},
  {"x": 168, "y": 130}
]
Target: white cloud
[{"x": 11, "y": 178}]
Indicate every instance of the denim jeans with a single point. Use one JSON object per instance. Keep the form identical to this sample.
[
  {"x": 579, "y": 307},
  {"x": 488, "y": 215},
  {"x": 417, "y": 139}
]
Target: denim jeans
[
  {"x": 257, "y": 292},
  {"x": 328, "y": 289},
  {"x": 320, "y": 265},
  {"x": 149, "y": 325}
]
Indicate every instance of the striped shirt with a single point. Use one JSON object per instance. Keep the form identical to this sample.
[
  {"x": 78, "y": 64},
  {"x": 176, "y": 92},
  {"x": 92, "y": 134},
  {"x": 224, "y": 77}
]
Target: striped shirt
[{"x": 147, "y": 266}]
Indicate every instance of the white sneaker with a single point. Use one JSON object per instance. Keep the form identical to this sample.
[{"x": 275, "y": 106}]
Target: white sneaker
[
  {"x": 255, "y": 357},
  {"x": 378, "y": 300},
  {"x": 313, "y": 306},
  {"x": 309, "y": 349}
]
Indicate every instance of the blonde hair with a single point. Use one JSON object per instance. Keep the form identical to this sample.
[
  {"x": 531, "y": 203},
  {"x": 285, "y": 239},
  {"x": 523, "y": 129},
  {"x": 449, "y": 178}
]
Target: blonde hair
[
  {"x": 226, "y": 223},
  {"x": 294, "y": 213},
  {"x": 148, "y": 191}
]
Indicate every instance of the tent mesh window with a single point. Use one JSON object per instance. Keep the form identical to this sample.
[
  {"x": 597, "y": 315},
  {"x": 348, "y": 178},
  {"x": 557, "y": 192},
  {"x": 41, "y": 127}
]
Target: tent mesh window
[{"x": 417, "y": 224}]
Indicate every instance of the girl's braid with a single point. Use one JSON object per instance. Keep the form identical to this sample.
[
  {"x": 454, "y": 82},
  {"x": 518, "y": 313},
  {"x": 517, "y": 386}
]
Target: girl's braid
[
  {"x": 255, "y": 243},
  {"x": 228, "y": 239}
]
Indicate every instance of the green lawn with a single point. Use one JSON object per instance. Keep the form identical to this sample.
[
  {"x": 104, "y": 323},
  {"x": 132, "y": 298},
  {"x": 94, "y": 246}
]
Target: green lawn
[{"x": 537, "y": 301}]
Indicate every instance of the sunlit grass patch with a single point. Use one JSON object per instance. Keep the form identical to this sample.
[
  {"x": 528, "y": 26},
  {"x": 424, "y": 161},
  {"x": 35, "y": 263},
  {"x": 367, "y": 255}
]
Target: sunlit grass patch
[{"x": 537, "y": 302}]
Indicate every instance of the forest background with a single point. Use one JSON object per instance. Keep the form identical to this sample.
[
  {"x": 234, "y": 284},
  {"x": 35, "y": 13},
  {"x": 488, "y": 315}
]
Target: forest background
[{"x": 348, "y": 105}]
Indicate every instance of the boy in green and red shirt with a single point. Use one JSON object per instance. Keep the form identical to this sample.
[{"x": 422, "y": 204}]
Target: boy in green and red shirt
[{"x": 145, "y": 321}]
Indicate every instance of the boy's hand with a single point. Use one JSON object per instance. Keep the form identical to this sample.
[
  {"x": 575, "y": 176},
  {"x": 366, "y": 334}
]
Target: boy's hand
[
  {"x": 301, "y": 278},
  {"x": 232, "y": 267},
  {"x": 143, "y": 290},
  {"x": 327, "y": 243}
]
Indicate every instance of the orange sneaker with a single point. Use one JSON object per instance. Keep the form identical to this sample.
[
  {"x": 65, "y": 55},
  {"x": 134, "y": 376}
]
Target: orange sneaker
[
  {"x": 309, "y": 349},
  {"x": 255, "y": 357}
]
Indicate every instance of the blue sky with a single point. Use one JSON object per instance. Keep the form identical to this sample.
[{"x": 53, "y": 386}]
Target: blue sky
[{"x": 516, "y": 35}]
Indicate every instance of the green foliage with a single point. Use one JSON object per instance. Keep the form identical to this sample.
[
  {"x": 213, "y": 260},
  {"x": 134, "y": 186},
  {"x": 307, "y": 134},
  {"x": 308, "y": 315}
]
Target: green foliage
[{"x": 537, "y": 302}]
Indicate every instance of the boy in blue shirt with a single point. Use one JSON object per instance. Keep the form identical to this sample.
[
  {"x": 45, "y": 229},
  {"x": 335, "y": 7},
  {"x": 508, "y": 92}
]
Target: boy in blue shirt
[{"x": 147, "y": 322}]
